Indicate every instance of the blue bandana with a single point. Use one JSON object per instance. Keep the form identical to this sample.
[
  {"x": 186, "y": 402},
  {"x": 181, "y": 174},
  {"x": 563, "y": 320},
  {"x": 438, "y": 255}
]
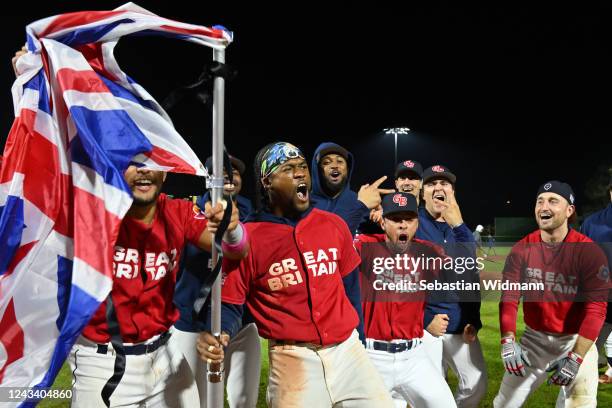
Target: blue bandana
[{"x": 276, "y": 155}]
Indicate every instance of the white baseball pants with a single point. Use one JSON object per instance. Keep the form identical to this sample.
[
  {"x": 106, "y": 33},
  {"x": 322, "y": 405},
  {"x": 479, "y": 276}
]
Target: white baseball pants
[
  {"x": 466, "y": 361},
  {"x": 158, "y": 379},
  {"x": 543, "y": 349},
  {"x": 242, "y": 366},
  {"x": 411, "y": 377},
  {"x": 339, "y": 376}
]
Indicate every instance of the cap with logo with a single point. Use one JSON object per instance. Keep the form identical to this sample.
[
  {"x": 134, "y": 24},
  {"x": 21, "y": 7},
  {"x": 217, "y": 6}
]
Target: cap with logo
[
  {"x": 436, "y": 172},
  {"x": 398, "y": 203},
  {"x": 409, "y": 167},
  {"x": 558, "y": 187}
]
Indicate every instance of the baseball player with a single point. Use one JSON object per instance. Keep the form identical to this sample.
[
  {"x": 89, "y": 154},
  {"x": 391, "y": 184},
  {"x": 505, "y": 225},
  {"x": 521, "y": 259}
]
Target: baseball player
[
  {"x": 145, "y": 263},
  {"x": 300, "y": 283},
  {"x": 243, "y": 356},
  {"x": 332, "y": 167},
  {"x": 562, "y": 320},
  {"x": 478, "y": 239},
  {"x": 451, "y": 338},
  {"x": 408, "y": 177},
  {"x": 598, "y": 227},
  {"x": 394, "y": 329}
]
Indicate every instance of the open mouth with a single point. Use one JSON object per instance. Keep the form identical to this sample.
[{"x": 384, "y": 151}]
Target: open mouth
[
  {"x": 302, "y": 192},
  {"x": 335, "y": 175},
  {"x": 403, "y": 238},
  {"x": 545, "y": 217},
  {"x": 439, "y": 196},
  {"x": 143, "y": 185}
]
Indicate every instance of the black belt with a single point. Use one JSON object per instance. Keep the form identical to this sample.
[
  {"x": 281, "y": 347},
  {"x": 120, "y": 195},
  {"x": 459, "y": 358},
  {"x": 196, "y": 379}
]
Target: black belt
[
  {"x": 139, "y": 349},
  {"x": 395, "y": 347}
]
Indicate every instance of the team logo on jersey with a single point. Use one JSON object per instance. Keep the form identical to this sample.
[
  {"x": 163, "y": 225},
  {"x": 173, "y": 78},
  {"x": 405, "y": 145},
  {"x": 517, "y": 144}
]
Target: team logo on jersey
[
  {"x": 318, "y": 263},
  {"x": 128, "y": 261},
  {"x": 547, "y": 186},
  {"x": 400, "y": 200},
  {"x": 438, "y": 169},
  {"x": 198, "y": 214},
  {"x": 409, "y": 164},
  {"x": 604, "y": 273}
]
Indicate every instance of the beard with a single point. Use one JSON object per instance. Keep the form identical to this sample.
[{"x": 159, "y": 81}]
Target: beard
[
  {"x": 140, "y": 202},
  {"x": 333, "y": 189}
]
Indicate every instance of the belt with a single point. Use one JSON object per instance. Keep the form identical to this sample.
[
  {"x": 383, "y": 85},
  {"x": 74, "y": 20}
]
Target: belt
[
  {"x": 315, "y": 346},
  {"x": 139, "y": 349},
  {"x": 393, "y": 347}
]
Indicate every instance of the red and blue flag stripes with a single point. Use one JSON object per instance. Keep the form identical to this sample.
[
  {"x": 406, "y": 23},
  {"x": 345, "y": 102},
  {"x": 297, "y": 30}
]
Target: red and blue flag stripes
[{"x": 80, "y": 121}]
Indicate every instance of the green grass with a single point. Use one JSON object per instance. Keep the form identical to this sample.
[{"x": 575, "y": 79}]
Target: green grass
[{"x": 545, "y": 396}]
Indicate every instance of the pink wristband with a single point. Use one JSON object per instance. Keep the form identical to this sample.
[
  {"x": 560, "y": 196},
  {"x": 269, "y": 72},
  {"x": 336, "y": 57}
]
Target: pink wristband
[{"x": 236, "y": 247}]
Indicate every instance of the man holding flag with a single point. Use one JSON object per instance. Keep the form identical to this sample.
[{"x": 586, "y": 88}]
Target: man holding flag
[
  {"x": 151, "y": 238},
  {"x": 88, "y": 147}
]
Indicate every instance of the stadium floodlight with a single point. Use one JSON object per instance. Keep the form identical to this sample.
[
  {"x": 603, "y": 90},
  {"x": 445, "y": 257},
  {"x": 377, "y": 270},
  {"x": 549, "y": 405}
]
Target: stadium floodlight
[{"x": 396, "y": 131}]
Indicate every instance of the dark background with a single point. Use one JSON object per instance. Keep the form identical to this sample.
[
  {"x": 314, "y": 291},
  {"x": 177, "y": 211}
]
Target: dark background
[{"x": 507, "y": 97}]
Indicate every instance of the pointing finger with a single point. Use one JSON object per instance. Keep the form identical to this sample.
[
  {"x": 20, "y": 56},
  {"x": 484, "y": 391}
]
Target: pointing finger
[{"x": 379, "y": 181}]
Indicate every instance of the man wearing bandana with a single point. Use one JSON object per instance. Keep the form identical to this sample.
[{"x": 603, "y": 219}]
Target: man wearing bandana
[{"x": 300, "y": 284}]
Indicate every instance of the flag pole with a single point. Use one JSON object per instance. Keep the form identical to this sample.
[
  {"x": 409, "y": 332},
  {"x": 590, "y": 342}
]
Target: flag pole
[{"x": 215, "y": 371}]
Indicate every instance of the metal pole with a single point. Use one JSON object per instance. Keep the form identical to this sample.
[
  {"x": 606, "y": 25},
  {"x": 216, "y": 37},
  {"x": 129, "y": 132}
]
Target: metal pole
[
  {"x": 215, "y": 375},
  {"x": 395, "y": 162}
]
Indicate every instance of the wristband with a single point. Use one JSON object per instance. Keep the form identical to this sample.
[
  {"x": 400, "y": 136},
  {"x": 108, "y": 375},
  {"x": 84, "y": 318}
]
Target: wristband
[
  {"x": 235, "y": 236},
  {"x": 236, "y": 247},
  {"x": 575, "y": 357}
]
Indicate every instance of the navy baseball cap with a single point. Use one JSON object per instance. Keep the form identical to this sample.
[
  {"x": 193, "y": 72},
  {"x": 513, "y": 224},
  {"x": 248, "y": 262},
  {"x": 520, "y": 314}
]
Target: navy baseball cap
[
  {"x": 333, "y": 149},
  {"x": 236, "y": 163},
  {"x": 438, "y": 171},
  {"x": 409, "y": 166},
  {"x": 398, "y": 203},
  {"x": 558, "y": 187}
]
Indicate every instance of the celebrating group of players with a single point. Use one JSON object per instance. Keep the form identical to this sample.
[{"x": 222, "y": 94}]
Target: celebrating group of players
[{"x": 291, "y": 274}]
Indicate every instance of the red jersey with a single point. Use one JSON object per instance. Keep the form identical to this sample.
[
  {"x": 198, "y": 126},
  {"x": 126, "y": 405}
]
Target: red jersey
[
  {"x": 144, "y": 271},
  {"x": 572, "y": 269},
  {"x": 291, "y": 280},
  {"x": 390, "y": 320}
]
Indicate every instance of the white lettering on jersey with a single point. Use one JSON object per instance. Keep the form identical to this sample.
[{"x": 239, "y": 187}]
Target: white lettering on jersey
[
  {"x": 286, "y": 273},
  {"x": 323, "y": 263},
  {"x": 157, "y": 265},
  {"x": 553, "y": 281}
]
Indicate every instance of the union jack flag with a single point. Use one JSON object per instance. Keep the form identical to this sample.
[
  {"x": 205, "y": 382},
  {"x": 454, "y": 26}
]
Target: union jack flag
[{"x": 79, "y": 122}]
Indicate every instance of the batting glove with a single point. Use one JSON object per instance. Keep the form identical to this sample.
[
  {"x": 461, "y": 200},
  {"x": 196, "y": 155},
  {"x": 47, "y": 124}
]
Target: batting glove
[
  {"x": 514, "y": 357},
  {"x": 565, "y": 369}
]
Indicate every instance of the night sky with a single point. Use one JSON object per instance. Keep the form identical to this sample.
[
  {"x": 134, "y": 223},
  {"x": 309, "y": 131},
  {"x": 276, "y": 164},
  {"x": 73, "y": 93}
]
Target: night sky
[{"x": 506, "y": 97}]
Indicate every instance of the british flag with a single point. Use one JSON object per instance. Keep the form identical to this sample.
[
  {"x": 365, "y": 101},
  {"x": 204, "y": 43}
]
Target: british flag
[{"x": 79, "y": 122}]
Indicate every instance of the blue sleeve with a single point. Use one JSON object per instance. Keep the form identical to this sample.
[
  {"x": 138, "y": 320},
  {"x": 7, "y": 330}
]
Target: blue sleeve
[
  {"x": 463, "y": 234},
  {"x": 470, "y": 307},
  {"x": 354, "y": 216},
  {"x": 353, "y": 292},
  {"x": 231, "y": 318}
]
